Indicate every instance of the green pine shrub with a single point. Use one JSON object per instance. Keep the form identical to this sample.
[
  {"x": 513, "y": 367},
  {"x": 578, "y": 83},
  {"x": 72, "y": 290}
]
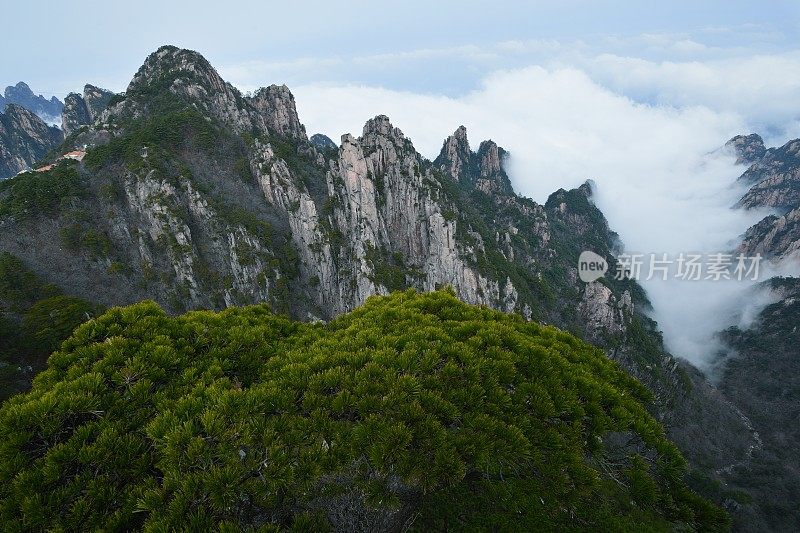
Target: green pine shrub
[{"x": 413, "y": 410}]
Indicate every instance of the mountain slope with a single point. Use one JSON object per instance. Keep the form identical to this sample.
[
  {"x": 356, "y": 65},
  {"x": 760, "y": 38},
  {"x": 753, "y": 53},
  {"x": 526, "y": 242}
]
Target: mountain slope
[
  {"x": 761, "y": 372},
  {"x": 763, "y": 379},
  {"x": 197, "y": 197}
]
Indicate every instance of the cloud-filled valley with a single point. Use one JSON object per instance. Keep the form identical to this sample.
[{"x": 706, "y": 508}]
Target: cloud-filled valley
[{"x": 662, "y": 178}]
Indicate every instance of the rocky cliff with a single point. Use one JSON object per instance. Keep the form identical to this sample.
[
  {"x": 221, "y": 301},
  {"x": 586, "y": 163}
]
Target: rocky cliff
[
  {"x": 82, "y": 110},
  {"x": 774, "y": 177},
  {"x": 760, "y": 373},
  {"x": 24, "y": 139}
]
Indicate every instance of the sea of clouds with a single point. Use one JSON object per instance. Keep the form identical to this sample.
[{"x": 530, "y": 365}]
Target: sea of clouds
[{"x": 649, "y": 133}]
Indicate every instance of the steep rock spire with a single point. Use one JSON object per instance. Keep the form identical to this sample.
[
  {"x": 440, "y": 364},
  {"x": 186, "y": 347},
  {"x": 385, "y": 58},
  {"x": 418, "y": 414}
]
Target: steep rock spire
[
  {"x": 492, "y": 178},
  {"x": 82, "y": 110},
  {"x": 96, "y": 99},
  {"x": 75, "y": 113},
  {"x": 482, "y": 170},
  {"x": 455, "y": 157},
  {"x": 277, "y": 107}
]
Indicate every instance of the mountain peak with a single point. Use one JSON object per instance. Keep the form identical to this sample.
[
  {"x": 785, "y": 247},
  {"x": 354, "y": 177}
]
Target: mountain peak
[
  {"x": 380, "y": 125},
  {"x": 22, "y": 94},
  {"x": 490, "y": 154},
  {"x": 20, "y": 89},
  {"x": 16, "y": 110},
  {"x": 82, "y": 110},
  {"x": 748, "y": 148},
  {"x": 323, "y": 142},
  {"x": 175, "y": 63},
  {"x": 455, "y": 156},
  {"x": 32, "y": 139},
  {"x": 187, "y": 75},
  {"x": 277, "y": 107}
]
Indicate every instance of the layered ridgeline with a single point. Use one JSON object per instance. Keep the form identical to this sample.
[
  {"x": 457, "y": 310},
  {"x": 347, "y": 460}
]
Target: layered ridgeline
[
  {"x": 196, "y": 196},
  {"x": 26, "y": 138},
  {"x": 414, "y": 412},
  {"x": 22, "y": 95},
  {"x": 762, "y": 371},
  {"x": 25, "y": 134}
]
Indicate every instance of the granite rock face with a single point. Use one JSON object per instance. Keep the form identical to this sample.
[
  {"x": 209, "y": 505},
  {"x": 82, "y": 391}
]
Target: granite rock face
[
  {"x": 344, "y": 222},
  {"x": 759, "y": 362},
  {"x": 603, "y": 312},
  {"x": 775, "y": 179},
  {"x": 82, "y": 110},
  {"x": 24, "y": 140},
  {"x": 482, "y": 170},
  {"x": 775, "y": 237},
  {"x": 276, "y": 105},
  {"x": 748, "y": 148},
  {"x": 75, "y": 113}
]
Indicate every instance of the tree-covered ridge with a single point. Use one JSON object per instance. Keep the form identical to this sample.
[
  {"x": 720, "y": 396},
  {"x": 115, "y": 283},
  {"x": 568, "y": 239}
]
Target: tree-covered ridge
[{"x": 413, "y": 409}]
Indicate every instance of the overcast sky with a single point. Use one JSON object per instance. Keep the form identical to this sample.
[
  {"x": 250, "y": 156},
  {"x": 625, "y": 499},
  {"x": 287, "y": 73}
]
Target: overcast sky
[
  {"x": 638, "y": 96},
  {"x": 57, "y": 46}
]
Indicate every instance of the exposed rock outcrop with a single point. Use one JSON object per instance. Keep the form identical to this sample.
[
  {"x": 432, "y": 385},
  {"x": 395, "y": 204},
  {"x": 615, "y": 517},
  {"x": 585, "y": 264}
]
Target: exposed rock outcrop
[
  {"x": 276, "y": 104},
  {"x": 775, "y": 237},
  {"x": 83, "y": 110},
  {"x": 603, "y": 312},
  {"x": 758, "y": 367},
  {"x": 24, "y": 140},
  {"x": 456, "y": 158},
  {"x": 748, "y": 148},
  {"x": 775, "y": 178},
  {"x": 234, "y": 205},
  {"x": 75, "y": 114},
  {"x": 482, "y": 170}
]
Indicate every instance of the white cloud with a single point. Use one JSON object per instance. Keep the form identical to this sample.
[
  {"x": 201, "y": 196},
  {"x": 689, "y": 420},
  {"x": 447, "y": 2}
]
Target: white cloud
[
  {"x": 642, "y": 115},
  {"x": 762, "y": 89},
  {"x": 661, "y": 180}
]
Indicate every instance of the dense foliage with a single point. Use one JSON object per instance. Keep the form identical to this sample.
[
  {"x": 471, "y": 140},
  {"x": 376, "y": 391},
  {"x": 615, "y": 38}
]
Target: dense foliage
[
  {"x": 414, "y": 409},
  {"x": 34, "y": 319},
  {"x": 40, "y": 192}
]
